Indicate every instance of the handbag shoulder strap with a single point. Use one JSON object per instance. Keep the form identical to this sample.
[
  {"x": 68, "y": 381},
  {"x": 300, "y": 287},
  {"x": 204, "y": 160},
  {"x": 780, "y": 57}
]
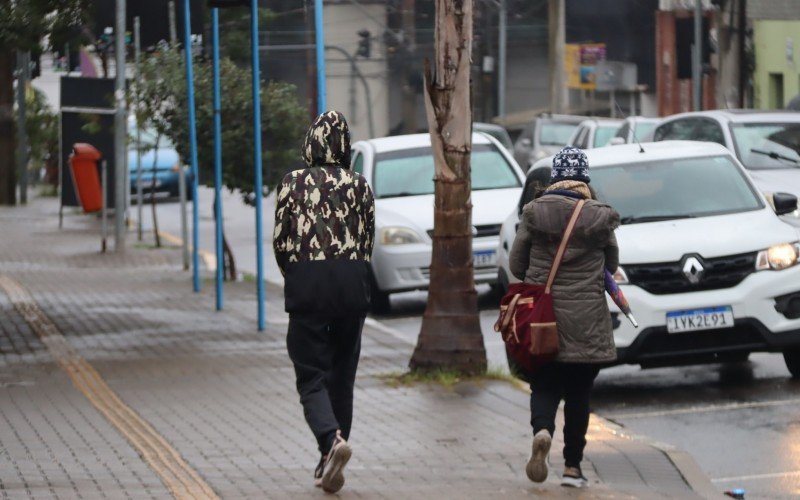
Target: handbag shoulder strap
[{"x": 562, "y": 248}]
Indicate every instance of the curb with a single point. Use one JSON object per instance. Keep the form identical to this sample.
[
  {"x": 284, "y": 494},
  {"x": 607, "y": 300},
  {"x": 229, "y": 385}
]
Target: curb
[{"x": 685, "y": 464}]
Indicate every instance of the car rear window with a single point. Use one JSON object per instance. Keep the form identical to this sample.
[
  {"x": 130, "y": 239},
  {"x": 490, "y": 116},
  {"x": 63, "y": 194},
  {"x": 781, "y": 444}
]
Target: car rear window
[
  {"x": 603, "y": 134},
  {"x": 673, "y": 189},
  {"x": 555, "y": 133},
  {"x": 410, "y": 172}
]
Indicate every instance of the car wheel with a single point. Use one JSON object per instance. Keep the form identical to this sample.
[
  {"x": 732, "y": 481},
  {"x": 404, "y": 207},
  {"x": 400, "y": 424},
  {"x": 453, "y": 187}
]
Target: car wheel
[
  {"x": 379, "y": 300},
  {"x": 792, "y": 359}
]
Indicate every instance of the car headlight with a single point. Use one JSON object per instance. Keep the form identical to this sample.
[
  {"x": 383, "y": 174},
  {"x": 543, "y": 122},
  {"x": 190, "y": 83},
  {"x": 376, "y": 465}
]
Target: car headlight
[
  {"x": 620, "y": 277},
  {"x": 399, "y": 236},
  {"x": 778, "y": 257}
]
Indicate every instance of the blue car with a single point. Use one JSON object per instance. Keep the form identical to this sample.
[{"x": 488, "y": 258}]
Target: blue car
[{"x": 165, "y": 159}]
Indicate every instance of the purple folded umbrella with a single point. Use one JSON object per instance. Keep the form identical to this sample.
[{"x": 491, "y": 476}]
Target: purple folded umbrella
[{"x": 619, "y": 298}]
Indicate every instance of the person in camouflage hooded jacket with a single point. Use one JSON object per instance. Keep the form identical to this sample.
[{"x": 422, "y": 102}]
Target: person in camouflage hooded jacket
[{"x": 324, "y": 232}]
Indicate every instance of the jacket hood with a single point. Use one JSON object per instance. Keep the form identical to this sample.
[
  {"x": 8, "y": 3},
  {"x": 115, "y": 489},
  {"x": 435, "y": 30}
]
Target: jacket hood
[
  {"x": 549, "y": 215},
  {"x": 327, "y": 141}
]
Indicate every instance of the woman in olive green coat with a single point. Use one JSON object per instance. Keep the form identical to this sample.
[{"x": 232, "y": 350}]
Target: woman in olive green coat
[{"x": 585, "y": 334}]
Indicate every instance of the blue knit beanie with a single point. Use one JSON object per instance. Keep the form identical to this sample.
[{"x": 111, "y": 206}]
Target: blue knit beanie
[{"x": 570, "y": 164}]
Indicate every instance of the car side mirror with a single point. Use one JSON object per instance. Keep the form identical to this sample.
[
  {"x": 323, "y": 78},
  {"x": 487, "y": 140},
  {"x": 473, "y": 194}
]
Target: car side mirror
[
  {"x": 526, "y": 143},
  {"x": 784, "y": 203},
  {"x": 616, "y": 141}
]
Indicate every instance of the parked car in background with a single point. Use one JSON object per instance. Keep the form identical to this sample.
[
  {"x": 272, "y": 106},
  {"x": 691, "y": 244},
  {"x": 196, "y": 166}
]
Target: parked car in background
[
  {"x": 710, "y": 270},
  {"x": 545, "y": 136},
  {"x": 400, "y": 171},
  {"x": 594, "y": 133},
  {"x": 160, "y": 154},
  {"x": 496, "y": 131},
  {"x": 633, "y": 129},
  {"x": 766, "y": 142}
]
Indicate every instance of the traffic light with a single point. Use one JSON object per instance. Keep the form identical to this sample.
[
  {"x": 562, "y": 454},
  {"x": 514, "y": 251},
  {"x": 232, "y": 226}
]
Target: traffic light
[{"x": 364, "y": 44}]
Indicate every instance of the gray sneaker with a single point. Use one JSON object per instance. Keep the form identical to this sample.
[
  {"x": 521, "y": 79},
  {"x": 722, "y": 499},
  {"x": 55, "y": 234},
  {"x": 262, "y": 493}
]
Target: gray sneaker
[
  {"x": 537, "y": 464},
  {"x": 332, "y": 477}
]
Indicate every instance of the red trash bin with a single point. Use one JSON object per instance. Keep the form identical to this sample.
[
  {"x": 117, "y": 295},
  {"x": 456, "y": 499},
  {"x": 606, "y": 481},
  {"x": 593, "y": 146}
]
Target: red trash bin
[{"x": 83, "y": 164}]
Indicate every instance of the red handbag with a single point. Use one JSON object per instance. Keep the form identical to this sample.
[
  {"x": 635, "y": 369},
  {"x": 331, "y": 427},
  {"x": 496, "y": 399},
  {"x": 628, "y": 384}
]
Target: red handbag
[{"x": 527, "y": 321}]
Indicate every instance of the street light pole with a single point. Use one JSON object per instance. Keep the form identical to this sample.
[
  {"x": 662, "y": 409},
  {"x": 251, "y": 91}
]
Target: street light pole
[
  {"x": 217, "y": 157},
  {"x": 120, "y": 124},
  {"x": 187, "y": 50},
  {"x": 697, "y": 59},
  {"x": 501, "y": 63},
  {"x": 322, "y": 95},
  {"x": 138, "y": 60},
  {"x": 259, "y": 182}
]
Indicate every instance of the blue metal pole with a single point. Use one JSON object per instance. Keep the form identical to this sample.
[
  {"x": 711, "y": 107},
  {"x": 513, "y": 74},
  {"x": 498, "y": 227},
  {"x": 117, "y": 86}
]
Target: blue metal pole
[
  {"x": 217, "y": 154},
  {"x": 259, "y": 183},
  {"x": 322, "y": 95},
  {"x": 187, "y": 49}
]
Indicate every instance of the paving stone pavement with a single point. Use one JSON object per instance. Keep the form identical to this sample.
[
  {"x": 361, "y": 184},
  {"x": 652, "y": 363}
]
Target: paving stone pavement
[{"x": 222, "y": 394}]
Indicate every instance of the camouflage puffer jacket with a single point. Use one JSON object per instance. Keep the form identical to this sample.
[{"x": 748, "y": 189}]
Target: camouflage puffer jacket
[{"x": 325, "y": 226}]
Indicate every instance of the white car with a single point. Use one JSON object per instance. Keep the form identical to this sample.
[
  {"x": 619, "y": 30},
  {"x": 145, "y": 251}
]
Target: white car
[
  {"x": 594, "y": 133},
  {"x": 766, "y": 142},
  {"x": 400, "y": 171},
  {"x": 635, "y": 129},
  {"x": 710, "y": 270}
]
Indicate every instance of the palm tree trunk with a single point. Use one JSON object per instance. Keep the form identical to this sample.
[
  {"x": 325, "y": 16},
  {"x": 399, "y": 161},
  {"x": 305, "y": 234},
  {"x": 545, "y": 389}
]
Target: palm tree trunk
[{"x": 450, "y": 336}]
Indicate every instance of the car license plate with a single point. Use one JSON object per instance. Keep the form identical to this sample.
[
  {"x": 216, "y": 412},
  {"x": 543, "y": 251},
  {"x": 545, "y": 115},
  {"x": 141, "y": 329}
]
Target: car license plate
[
  {"x": 710, "y": 318},
  {"x": 484, "y": 258}
]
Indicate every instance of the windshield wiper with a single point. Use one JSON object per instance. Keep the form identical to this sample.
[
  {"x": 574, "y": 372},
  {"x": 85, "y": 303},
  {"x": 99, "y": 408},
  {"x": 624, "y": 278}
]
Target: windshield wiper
[
  {"x": 774, "y": 155},
  {"x": 399, "y": 195},
  {"x": 633, "y": 219}
]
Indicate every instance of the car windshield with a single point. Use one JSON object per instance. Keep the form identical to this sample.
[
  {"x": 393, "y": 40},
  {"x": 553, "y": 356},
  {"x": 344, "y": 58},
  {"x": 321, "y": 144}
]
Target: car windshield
[
  {"x": 556, "y": 133},
  {"x": 675, "y": 189},
  {"x": 603, "y": 134},
  {"x": 409, "y": 172},
  {"x": 767, "y": 145}
]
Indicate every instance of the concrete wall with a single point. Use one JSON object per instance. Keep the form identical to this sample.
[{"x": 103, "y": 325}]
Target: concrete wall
[
  {"x": 773, "y": 9},
  {"x": 342, "y": 23},
  {"x": 777, "y": 52}
]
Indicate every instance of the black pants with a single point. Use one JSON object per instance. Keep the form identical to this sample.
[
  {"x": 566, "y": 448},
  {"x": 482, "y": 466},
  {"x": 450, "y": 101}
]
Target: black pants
[
  {"x": 325, "y": 354},
  {"x": 571, "y": 382}
]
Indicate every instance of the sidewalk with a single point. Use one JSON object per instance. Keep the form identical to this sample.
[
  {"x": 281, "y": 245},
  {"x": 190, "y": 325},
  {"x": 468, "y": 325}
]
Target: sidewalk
[{"x": 117, "y": 381}]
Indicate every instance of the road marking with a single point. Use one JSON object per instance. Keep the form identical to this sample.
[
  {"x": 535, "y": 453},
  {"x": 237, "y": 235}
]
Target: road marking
[
  {"x": 704, "y": 409},
  {"x": 209, "y": 259},
  {"x": 181, "y": 480},
  {"x": 772, "y": 475}
]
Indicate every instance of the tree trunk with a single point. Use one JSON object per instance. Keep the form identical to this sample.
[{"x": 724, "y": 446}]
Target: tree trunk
[
  {"x": 230, "y": 262},
  {"x": 8, "y": 166},
  {"x": 451, "y": 333}
]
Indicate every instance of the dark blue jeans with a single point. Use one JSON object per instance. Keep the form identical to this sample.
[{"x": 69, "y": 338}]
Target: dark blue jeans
[
  {"x": 571, "y": 382},
  {"x": 325, "y": 354}
]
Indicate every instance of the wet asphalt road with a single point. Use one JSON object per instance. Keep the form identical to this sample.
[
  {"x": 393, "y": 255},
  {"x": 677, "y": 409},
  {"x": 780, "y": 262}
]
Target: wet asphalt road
[{"x": 740, "y": 422}]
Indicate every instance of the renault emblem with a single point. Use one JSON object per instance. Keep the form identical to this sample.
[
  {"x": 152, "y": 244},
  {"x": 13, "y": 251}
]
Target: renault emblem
[{"x": 693, "y": 270}]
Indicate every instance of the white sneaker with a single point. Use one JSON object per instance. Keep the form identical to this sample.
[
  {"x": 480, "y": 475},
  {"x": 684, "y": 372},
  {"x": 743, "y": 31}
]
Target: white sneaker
[
  {"x": 332, "y": 477},
  {"x": 537, "y": 464},
  {"x": 573, "y": 478}
]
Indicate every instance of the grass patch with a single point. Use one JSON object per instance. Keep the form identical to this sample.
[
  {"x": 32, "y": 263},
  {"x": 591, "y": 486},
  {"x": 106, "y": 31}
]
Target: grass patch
[{"x": 444, "y": 377}]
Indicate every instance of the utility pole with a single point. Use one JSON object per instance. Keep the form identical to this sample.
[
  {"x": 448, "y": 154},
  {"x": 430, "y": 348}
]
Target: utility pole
[
  {"x": 501, "y": 60},
  {"x": 23, "y": 75},
  {"x": 409, "y": 108},
  {"x": 556, "y": 29},
  {"x": 120, "y": 124},
  {"x": 311, "y": 65},
  {"x": 697, "y": 59},
  {"x": 173, "y": 25}
]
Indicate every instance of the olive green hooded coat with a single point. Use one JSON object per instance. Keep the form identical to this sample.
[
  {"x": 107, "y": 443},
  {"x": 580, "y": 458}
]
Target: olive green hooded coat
[{"x": 584, "y": 322}]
